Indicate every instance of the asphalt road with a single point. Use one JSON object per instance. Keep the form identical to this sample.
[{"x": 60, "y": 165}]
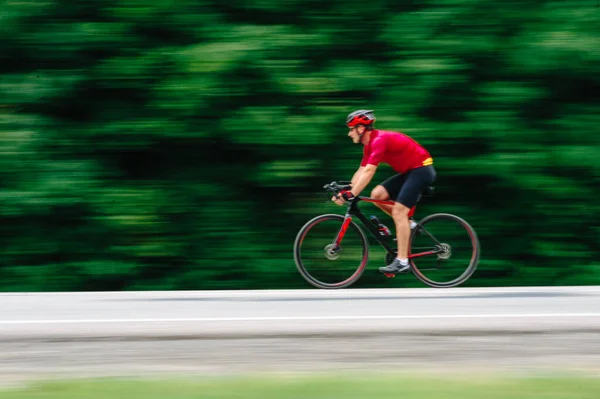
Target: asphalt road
[{"x": 114, "y": 333}]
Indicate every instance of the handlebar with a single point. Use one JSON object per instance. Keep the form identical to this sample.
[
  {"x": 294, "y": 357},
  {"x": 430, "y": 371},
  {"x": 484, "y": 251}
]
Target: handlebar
[{"x": 335, "y": 187}]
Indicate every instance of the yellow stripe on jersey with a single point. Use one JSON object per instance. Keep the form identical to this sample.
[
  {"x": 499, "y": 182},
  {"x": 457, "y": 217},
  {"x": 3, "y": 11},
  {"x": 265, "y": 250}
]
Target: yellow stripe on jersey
[{"x": 428, "y": 161}]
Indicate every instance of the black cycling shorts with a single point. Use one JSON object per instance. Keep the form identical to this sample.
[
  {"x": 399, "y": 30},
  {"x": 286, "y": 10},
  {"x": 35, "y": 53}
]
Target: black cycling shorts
[{"x": 407, "y": 188}]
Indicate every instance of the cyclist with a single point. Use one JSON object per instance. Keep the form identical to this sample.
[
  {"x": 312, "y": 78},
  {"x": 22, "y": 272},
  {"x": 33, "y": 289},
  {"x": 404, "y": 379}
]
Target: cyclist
[{"x": 415, "y": 172}]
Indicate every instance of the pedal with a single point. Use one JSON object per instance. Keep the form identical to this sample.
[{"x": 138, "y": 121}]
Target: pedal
[{"x": 389, "y": 275}]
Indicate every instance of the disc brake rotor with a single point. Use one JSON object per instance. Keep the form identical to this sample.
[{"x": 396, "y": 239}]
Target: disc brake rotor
[{"x": 332, "y": 251}]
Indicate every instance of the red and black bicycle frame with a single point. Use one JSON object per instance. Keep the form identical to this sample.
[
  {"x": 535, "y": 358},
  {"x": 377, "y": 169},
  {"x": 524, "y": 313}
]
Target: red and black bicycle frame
[{"x": 387, "y": 242}]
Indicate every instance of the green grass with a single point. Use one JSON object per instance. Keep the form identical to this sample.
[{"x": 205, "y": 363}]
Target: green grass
[{"x": 346, "y": 386}]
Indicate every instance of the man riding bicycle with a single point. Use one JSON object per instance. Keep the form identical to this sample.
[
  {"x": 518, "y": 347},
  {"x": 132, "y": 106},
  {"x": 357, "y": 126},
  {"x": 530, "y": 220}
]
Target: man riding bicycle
[{"x": 409, "y": 159}]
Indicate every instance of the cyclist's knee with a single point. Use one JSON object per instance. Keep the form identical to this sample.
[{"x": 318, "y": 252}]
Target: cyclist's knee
[
  {"x": 380, "y": 193},
  {"x": 400, "y": 210}
]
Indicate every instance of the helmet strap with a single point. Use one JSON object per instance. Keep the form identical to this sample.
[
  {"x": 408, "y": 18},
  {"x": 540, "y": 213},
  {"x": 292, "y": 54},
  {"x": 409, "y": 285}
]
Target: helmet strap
[{"x": 361, "y": 135}]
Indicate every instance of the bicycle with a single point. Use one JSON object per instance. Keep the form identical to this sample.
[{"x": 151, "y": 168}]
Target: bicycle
[{"x": 336, "y": 240}]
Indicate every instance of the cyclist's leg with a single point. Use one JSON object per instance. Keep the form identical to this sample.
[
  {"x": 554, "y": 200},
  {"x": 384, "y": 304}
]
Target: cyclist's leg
[
  {"x": 386, "y": 190},
  {"x": 417, "y": 180}
]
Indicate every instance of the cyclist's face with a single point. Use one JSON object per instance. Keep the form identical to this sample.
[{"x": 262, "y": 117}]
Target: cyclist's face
[{"x": 355, "y": 132}]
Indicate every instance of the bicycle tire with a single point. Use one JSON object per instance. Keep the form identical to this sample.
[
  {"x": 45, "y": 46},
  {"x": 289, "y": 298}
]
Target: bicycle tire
[
  {"x": 474, "y": 256},
  {"x": 301, "y": 266}
]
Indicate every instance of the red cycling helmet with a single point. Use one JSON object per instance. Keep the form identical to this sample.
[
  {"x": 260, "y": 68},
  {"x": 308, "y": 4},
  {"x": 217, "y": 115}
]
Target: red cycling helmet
[{"x": 360, "y": 117}]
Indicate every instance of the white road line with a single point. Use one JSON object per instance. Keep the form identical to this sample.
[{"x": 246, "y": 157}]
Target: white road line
[
  {"x": 300, "y": 318},
  {"x": 355, "y": 293}
]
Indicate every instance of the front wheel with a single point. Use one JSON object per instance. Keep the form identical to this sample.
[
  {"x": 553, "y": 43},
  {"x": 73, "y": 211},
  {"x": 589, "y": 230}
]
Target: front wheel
[
  {"x": 444, "y": 250},
  {"x": 322, "y": 261}
]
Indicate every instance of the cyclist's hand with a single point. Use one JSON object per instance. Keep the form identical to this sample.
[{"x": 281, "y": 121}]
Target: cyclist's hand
[
  {"x": 338, "y": 200},
  {"x": 342, "y": 197},
  {"x": 346, "y": 194}
]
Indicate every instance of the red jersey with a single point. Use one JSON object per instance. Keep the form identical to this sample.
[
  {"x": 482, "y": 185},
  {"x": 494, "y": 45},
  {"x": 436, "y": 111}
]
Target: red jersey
[{"x": 397, "y": 150}]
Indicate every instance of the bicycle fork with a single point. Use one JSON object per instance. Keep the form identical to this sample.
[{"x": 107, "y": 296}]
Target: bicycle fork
[
  {"x": 340, "y": 235},
  {"x": 335, "y": 247}
]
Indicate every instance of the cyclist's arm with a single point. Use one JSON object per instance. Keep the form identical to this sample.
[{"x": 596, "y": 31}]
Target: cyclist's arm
[
  {"x": 357, "y": 175},
  {"x": 363, "y": 179},
  {"x": 369, "y": 165}
]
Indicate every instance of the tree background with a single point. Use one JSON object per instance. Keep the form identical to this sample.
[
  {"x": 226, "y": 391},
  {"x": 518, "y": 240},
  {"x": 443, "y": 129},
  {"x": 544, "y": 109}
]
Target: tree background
[{"x": 182, "y": 145}]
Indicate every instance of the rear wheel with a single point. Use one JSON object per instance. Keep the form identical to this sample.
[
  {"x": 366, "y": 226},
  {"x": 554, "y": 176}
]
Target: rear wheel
[
  {"x": 450, "y": 249},
  {"x": 323, "y": 263}
]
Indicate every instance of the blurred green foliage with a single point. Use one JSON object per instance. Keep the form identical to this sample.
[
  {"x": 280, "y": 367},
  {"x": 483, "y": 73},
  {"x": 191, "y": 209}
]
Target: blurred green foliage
[{"x": 182, "y": 145}]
